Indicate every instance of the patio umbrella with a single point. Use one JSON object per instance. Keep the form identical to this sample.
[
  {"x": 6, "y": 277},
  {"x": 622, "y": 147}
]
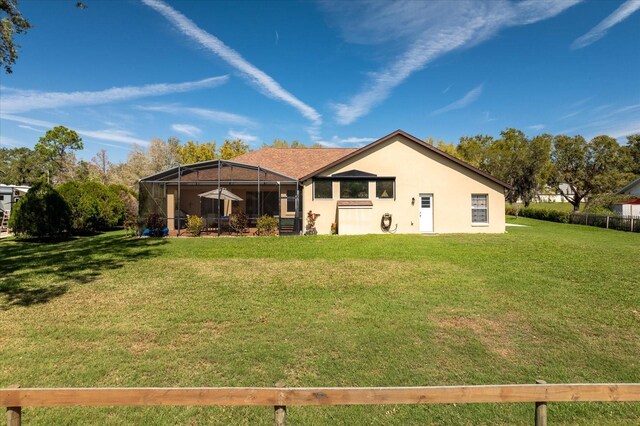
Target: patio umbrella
[{"x": 220, "y": 194}]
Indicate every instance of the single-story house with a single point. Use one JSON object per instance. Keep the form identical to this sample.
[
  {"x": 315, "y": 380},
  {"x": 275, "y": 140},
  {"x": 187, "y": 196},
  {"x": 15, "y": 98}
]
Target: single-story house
[
  {"x": 10, "y": 194},
  {"x": 633, "y": 188},
  {"x": 554, "y": 195},
  {"x": 397, "y": 184},
  {"x": 627, "y": 208}
]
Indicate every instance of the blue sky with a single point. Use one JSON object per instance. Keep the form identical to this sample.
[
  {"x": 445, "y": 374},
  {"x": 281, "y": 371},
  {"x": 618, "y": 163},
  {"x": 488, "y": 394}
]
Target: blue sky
[{"x": 335, "y": 72}]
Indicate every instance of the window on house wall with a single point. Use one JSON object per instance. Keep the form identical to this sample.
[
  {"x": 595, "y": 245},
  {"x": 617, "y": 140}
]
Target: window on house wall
[
  {"x": 354, "y": 189},
  {"x": 291, "y": 200},
  {"x": 384, "y": 188},
  {"x": 323, "y": 189},
  {"x": 479, "y": 208}
]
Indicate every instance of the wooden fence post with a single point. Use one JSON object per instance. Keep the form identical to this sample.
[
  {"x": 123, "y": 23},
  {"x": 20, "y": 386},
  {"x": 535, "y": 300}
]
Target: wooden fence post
[
  {"x": 280, "y": 411},
  {"x": 541, "y": 409},
  {"x": 14, "y": 414},
  {"x": 607, "y": 221}
]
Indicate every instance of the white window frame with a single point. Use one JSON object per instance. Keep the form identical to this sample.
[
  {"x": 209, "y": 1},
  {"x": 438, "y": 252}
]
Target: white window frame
[{"x": 485, "y": 208}]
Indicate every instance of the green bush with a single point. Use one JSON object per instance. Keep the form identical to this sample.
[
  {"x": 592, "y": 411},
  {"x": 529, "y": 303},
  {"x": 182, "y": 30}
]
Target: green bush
[
  {"x": 195, "y": 225},
  {"x": 266, "y": 225},
  {"x": 545, "y": 214},
  {"x": 129, "y": 201},
  {"x": 238, "y": 222},
  {"x": 512, "y": 210},
  {"x": 42, "y": 212},
  {"x": 94, "y": 207}
]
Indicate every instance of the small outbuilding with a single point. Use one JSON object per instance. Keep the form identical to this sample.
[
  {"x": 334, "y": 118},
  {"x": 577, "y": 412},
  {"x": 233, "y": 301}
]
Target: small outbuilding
[{"x": 628, "y": 208}]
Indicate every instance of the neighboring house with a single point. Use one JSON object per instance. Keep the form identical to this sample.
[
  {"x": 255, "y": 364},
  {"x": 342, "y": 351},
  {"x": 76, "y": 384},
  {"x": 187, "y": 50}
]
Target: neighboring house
[
  {"x": 10, "y": 194},
  {"x": 395, "y": 184},
  {"x": 632, "y": 188},
  {"x": 553, "y": 195},
  {"x": 629, "y": 207}
]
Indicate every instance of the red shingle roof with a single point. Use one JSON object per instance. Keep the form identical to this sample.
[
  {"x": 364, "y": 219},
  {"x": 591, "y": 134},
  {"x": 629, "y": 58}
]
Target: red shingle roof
[{"x": 293, "y": 162}]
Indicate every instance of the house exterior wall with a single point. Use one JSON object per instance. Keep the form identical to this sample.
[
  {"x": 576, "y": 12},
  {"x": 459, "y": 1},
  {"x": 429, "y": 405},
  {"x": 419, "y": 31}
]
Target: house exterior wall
[
  {"x": 9, "y": 195},
  {"x": 627, "y": 209},
  {"x": 417, "y": 170}
]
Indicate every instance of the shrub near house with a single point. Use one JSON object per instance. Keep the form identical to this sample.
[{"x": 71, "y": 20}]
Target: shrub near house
[
  {"x": 43, "y": 212},
  {"x": 94, "y": 207}
]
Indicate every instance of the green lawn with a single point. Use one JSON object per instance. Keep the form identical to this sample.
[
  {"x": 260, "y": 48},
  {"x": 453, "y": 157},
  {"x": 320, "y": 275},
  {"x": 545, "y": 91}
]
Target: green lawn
[{"x": 549, "y": 301}]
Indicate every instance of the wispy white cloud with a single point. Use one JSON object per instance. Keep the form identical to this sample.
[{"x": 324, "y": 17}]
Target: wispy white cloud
[
  {"x": 536, "y": 127},
  {"x": 257, "y": 77},
  {"x": 617, "y": 123},
  {"x": 187, "y": 129},
  {"x": 7, "y": 141},
  {"x": 207, "y": 114},
  {"x": 430, "y": 29},
  {"x": 111, "y": 135},
  {"x": 596, "y": 33},
  {"x": 338, "y": 142},
  {"x": 579, "y": 103},
  {"x": 24, "y": 126},
  {"x": 622, "y": 130},
  {"x": 487, "y": 117},
  {"x": 244, "y": 135},
  {"x": 570, "y": 115},
  {"x": 600, "y": 108},
  {"x": 466, "y": 100},
  {"x": 447, "y": 89},
  {"x": 19, "y": 101}
]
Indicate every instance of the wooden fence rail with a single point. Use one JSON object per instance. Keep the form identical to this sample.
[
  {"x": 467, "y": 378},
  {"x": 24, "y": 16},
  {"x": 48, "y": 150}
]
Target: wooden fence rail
[{"x": 278, "y": 397}]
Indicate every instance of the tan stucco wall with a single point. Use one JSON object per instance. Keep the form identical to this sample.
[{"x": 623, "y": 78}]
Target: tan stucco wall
[{"x": 417, "y": 171}]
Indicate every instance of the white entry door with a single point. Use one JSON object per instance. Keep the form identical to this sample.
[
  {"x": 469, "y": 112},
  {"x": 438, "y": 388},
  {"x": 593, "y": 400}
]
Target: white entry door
[{"x": 426, "y": 213}]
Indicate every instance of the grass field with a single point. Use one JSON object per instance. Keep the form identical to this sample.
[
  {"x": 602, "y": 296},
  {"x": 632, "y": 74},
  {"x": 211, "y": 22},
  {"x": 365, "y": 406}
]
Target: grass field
[{"x": 549, "y": 301}]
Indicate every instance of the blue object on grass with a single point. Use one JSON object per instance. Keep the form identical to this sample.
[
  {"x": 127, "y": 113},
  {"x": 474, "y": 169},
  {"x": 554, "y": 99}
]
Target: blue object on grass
[{"x": 146, "y": 232}]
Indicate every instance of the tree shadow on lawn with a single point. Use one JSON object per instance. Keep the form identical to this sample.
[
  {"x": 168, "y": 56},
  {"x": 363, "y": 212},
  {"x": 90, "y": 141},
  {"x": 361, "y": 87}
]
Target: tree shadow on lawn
[{"x": 35, "y": 272}]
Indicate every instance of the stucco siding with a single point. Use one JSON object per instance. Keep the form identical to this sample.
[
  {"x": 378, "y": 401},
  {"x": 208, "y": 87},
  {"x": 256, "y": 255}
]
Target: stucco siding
[{"x": 417, "y": 170}]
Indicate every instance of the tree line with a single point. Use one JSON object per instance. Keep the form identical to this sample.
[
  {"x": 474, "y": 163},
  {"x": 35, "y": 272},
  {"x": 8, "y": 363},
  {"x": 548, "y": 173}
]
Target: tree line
[
  {"x": 575, "y": 167},
  {"x": 53, "y": 159},
  {"x": 571, "y": 165}
]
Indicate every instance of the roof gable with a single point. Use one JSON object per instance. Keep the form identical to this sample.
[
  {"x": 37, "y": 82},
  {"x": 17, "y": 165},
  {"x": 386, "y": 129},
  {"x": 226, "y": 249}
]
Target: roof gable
[
  {"x": 629, "y": 186},
  {"x": 412, "y": 139},
  {"x": 354, "y": 173}
]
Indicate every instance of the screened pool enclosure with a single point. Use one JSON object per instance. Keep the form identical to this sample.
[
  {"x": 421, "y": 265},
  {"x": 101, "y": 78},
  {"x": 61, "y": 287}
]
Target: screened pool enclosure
[{"x": 215, "y": 189}]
